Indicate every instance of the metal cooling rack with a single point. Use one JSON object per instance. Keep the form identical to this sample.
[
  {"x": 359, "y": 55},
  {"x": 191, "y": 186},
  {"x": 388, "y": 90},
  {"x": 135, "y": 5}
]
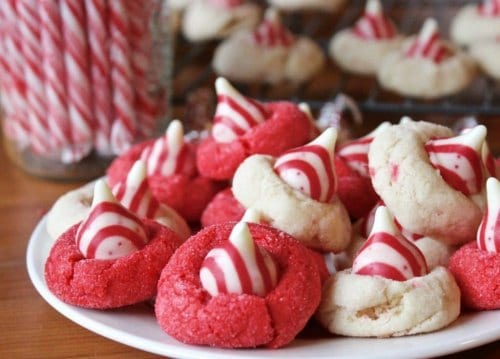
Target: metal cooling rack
[{"x": 192, "y": 65}]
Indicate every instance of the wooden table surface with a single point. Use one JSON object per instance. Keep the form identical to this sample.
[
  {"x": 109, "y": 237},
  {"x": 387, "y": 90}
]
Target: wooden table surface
[{"x": 29, "y": 327}]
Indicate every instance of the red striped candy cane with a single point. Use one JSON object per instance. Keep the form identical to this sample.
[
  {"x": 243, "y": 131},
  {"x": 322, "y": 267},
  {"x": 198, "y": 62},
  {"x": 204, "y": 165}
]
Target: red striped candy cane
[
  {"x": 54, "y": 77},
  {"x": 78, "y": 83},
  {"x": 12, "y": 82},
  {"x": 29, "y": 26},
  {"x": 124, "y": 125},
  {"x": 141, "y": 44},
  {"x": 99, "y": 37}
]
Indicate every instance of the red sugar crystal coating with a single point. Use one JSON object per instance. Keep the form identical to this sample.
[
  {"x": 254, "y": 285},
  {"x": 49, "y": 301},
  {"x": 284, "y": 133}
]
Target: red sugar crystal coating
[
  {"x": 287, "y": 127},
  {"x": 355, "y": 191},
  {"x": 188, "y": 313},
  {"x": 113, "y": 283},
  {"x": 187, "y": 194},
  {"x": 223, "y": 208},
  {"x": 477, "y": 273}
]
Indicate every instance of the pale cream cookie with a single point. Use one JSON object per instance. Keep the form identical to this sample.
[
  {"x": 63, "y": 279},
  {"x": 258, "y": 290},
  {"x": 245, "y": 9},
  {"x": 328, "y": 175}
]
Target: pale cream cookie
[
  {"x": 475, "y": 23},
  {"x": 295, "y": 5},
  {"x": 270, "y": 54},
  {"x": 373, "y": 306},
  {"x": 318, "y": 225},
  {"x": 415, "y": 191},
  {"x": 361, "y": 48},
  {"x": 216, "y": 19},
  {"x": 416, "y": 71},
  {"x": 487, "y": 54}
]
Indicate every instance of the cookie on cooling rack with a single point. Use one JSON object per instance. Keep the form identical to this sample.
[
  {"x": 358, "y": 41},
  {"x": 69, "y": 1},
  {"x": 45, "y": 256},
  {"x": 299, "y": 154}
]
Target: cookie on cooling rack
[
  {"x": 475, "y": 23},
  {"x": 487, "y": 53},
  {"x": 269, "y": 54},
  {"x": 427, "y": 67},
  {"x": 317, "y": 5},
  {"x": 215, "y": 19},
  {"x": 389, "y": 291},
  {"x": 361, "y": 48}
]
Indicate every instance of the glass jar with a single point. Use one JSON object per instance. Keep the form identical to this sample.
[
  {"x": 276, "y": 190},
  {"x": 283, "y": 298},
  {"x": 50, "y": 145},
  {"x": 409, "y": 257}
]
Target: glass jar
[{"x": 81, "y": 81}]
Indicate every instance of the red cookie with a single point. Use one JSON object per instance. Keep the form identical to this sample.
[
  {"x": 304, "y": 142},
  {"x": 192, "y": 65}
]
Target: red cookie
[
  {"x": 113, "y": 283},
  {"x": 223, "y": 208},
  {"x": 188, "y": 313},
  {"x": 477, "y": 273},
  {"x": 287, "y": 127},
  {"x": 187, "y": 192},
  {"x": 355, "y": 191}
]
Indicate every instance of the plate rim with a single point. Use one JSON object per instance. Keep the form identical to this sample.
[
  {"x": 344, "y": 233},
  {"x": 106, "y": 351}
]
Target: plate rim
[{"x": 180, "y": 350}]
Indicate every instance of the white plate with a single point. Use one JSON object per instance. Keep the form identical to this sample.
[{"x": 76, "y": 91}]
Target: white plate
[{"x": 136, "y": 327}]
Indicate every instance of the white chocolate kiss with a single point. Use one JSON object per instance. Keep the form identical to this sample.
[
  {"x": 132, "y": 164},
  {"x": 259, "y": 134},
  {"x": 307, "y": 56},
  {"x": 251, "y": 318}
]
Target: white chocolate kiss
[
  {"x": 109, "y": 232},
  {"x": 163, "y": 157},
  {"x": 355, "y": 153},
  {"x": 470, "y": 171},
  {"x": 290, "y": 167},
  {"x": 387, "y": 253},
  {"x": 235, "y": 114},
  {"x": 234, "y": 267},
  {"x": 135, "y": 193},
  {"x": 488, "y": 234}
]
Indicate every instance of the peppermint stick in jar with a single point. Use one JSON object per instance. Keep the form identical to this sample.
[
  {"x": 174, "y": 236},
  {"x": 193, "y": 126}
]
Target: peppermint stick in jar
[{"x": 81, "y": 81}]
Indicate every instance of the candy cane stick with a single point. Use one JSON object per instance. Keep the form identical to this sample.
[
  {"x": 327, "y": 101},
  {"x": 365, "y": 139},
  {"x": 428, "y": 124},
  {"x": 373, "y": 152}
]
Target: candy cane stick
[
  {"x": 53, "y": 67},
  {"x": 77, "y": 76},
  {"x": 12, "y": 83},
  {"x": 98, "y": 35},
  {"x": 29, "y": 26},
  {"x": 141, "y": 44},
  {"x": 125, "y": 123}
]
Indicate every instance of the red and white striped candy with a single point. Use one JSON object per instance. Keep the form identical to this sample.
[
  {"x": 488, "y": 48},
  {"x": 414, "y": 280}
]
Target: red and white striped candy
[
  {"x": 54, "y": 75},
  {"x": 374, "y": 25},
  {"x": 77, "y": 70},
  {"x": 428, "y": 44},
  {"x": 369, "y": 219},
  {"x": 239, "y": 266},
  {"x": 387, "y": 253},
  {"x": 489, "y": 8},
  {"x": 355, "y": 153},
  {"x": 227, "y": 4},
  {"x": 310, "y": 169},
  {"x": 458, "y": 160},
  {"x": 134, "y": 193},
  {"x": 168, "y": 154},
  {"x": 488, "y": 160},
  {"x": 29, "y": 27},
  {"x": 141, "y": 43},
  {"x": 271, "y": 32},
  {"x": 16, "y": 123},
  {"x": 110, "y": 231},
  {"x": 235, "y": 114},
  {"x": 124, "y": 126},
  {"x": 99, "y": 38},
  {"x": 488, "y": 235}
]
